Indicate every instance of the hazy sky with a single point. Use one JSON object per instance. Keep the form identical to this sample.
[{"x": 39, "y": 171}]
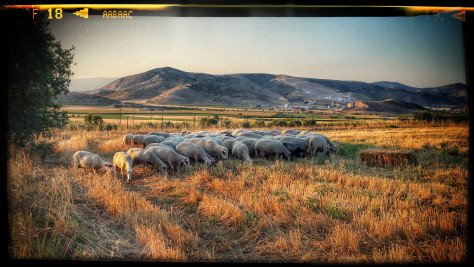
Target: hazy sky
[{"x": 418, "y": 51}]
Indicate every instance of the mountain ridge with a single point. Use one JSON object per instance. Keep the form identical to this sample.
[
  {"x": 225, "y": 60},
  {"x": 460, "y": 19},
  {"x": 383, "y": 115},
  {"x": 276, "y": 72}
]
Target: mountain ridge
[{"x": 168, "y": 85}]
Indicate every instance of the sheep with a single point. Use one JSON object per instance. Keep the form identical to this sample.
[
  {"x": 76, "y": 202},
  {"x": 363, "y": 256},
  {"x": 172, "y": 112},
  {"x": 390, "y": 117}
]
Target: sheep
[
  {"x": 317, "y": 144},
  {"x": 251, "y": 135},
  {"x": 295, "y": 149},
  {"x": 127, "y": 139},
  {"x": 152, "y": 139},
  {"x": 290, "y": 131},
  {"x": 228, "y": 144},
  {"x": 193, "y": 151},
  {"x": 164, "y": 135},
  {"x": 155, "y": 144},
  {"x": 237, "y": 131},
  {"x": 170, "y": 157},
  {"x": 331, "y": 145},
  {"x": 88, "y": 160},
  {"x": 269, "y": 132},
  {"x": 264, "y": 147},
  {"x": 211, "y": 147},
  {"x": 250, "y": 143},
  {"x": 241, "y": 151},
  {"x": 224, "y": 138},
  {"x": 137, "y": 140},
  {"x": 170, "y": 144},
  {"x": 226, "y": 132},
  {"x": 304, "y": 144},
  {"x": 124, "y": 163},
  {"x": 144, "y": 157}
]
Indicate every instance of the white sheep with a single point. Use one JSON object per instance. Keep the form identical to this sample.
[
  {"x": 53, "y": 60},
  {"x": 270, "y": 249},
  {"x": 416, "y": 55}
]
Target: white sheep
[
  {"x": 211, "y": 147},
  {"x": 127, "y": 139},
  {"x": 317, "y": 144},
  {"x": 241, "y": 151},
  {"x": 169, "y": 156},
  {"x": 137, "y": 140},
  {"x": 152, "y": 139},
  {"x": 144, "y": 157},
  {"x": 124, "y": 163},
  {"x": 165, "y": 135},
  {"x": 88, "y": 160},
  {"x": 193, "y": 151},
  {"x": 268, "y": 147}
]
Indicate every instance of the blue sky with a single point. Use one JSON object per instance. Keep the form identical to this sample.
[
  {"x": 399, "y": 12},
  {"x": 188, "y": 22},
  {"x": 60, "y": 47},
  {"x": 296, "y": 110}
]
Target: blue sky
[{"x": 419, "y": 51}]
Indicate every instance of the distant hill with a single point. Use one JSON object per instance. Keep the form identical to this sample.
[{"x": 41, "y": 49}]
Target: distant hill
[
  {"x": 74, "y": 98},
  {"x": 87, "y": 84},
  {"x": 385, "y": 106},
  {"x": 172, "y": 86}
]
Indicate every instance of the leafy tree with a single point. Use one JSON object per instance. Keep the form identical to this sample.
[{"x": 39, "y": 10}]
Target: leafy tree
[{"x": 39, "y": 69}]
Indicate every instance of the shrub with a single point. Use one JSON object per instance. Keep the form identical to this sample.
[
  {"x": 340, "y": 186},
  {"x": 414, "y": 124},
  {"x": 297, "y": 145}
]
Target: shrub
[
  {"x": 227, "y": 123},
  {"x": 259, "y": 123},
  {"x": 310, "y": 122},
  {"x": 246, "y": 124}
]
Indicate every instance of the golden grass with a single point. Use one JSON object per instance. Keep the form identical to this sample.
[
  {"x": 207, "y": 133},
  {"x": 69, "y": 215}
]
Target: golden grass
[{"x": 334, "y": 210}]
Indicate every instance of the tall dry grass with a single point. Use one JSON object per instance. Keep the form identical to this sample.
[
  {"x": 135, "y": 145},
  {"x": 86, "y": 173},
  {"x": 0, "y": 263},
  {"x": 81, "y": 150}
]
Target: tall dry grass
[{"x": 332, "y": 210}]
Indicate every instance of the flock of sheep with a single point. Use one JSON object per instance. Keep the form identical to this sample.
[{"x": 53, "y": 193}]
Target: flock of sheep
[{"x": 170, "y": 151}]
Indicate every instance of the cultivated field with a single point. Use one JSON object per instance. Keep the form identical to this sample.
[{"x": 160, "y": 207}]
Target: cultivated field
[
  {"x": 335, "y": 209},
  {"x": 131, "y": 116}
]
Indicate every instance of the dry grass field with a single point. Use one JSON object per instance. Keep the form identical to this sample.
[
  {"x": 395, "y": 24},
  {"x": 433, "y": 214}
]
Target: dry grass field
[{"x": 332, "y": 210}]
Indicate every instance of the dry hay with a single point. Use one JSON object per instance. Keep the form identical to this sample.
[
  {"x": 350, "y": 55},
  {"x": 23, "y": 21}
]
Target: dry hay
[{"x": 384, "y": 157}]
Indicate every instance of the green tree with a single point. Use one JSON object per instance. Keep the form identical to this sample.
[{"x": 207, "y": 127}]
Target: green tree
[{"x": 39, "y": 69}]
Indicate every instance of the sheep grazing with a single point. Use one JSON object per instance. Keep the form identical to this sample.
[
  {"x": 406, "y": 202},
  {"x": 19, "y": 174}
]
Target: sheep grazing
[
  {"x": 238, "y": 131},
  {"x": 225, "y": 132},
  {"x": 152, "y": 139},
  {"x": 250, "y": 143},
  {"x": 170, "y": 157},
  {"x": 290, "y": 131},
  {"x": 170, "y": 144},
  {"x": 145, "y": 157},
  {"x": 251, "y": 135},
  {"x": 317, "y": 144},
  {"x": 295, "y": 149},
  {"x": 124, "y": 163},
  {"x": 241, "y": 151},
  {"x": 137, "y": 140},
  {"x": 214, "y": 150},
  {"x": 228, "y": 144},
  {"x": 164, "y": 135},
  {"x": 154, "y": 144},
  {"x": 302, "y": 143},
  {"x": 331, "y": 145},
  {"x": 194, "y": 152},
  {"x": 269, "y": 147},
  {"x": 127, "y": 139},
  {"x": 88, "y": 160}
]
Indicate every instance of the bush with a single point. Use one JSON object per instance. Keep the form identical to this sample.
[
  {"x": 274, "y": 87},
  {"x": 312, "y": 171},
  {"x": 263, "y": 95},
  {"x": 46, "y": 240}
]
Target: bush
[
  {"x": 246, "y": 124},
  {"x": 227, "y": 123},
  {"x": 110, "y": 127},
  {"x": 93, "y": 121},
  {"x": 281, "y": 123},
  {"x": 259, "y": 123},
  {"x": 310, "y": 122}
]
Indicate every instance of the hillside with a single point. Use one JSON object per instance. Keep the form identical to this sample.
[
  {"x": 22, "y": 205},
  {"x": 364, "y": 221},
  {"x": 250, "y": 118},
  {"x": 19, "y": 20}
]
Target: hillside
[
  {"x": 171, "y": 86},
  {"x": 385, "y": 106},
  {"x": 75, "y": 98}
]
